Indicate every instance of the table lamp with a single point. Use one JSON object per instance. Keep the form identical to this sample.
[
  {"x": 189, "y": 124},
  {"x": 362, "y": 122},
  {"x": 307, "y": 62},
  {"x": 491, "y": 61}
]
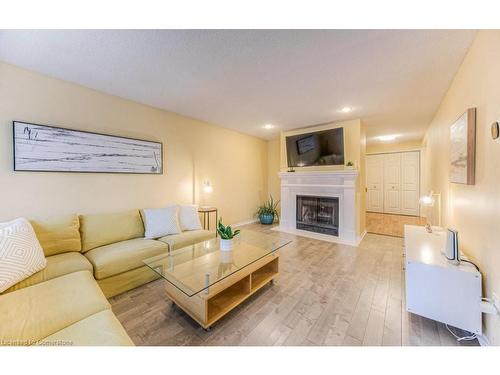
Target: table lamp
[{"x": 429, "y": 200}]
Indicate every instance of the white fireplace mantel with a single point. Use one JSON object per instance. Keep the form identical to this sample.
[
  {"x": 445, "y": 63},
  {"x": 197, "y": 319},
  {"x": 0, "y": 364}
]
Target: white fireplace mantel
[{"x": 338, "y": 183}]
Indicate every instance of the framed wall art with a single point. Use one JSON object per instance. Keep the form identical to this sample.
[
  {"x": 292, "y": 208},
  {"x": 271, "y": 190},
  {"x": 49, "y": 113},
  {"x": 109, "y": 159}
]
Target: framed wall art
[
  {"x": 463, "y": 148},
  {"x": 44, "y": 148}
]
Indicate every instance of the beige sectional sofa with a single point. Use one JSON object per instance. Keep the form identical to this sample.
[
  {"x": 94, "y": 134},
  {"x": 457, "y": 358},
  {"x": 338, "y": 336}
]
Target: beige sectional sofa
[{"x": 63, "y": 304}]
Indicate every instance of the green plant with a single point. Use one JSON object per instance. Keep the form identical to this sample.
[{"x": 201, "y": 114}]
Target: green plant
[
  {"x": 226, "y": 232},
  {"x": 350, "y": 164},
  {"x": 269, "y": 208}
]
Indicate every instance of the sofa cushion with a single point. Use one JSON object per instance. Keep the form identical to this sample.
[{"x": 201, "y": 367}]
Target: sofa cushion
[
  {"x": 57, "y": 265},
  {"x": 123, "y": 256},
  {"x": 103, "y": 229},
  {"x": 20, "y": 253},
  {"x": 58, "y": 235},
  {"x": 177, "y": 241},
  {"x": 189, "y": 218},
  {"x": 100, "y": 329},
  {"x": 31, "y": 314},
  {"x": 118, "y": 284},
  {"x": 159, "y": 222}
]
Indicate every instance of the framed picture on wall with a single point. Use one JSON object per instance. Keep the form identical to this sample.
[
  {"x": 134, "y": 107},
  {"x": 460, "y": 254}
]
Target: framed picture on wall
[
  {"x": 43, "y": 148},
  {"x": 463, "y": 148}
]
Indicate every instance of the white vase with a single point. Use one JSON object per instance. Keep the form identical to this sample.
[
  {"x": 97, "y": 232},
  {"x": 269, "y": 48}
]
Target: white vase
[{"x": 226, "y": 245}]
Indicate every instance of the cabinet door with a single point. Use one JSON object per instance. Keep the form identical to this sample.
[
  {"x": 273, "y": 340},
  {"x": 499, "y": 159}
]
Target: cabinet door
[
  {"x": 392, "y": 183},
  {"x": 375, "y": 183},
  {"x": 410, "y": 183}
]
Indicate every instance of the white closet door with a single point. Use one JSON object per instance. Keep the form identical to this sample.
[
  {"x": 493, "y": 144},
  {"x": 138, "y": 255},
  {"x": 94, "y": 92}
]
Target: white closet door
[
  {"x": 410, "y": 183},
  {"x": 375, "y": 183},
  {"x": 392, "y": 183}
]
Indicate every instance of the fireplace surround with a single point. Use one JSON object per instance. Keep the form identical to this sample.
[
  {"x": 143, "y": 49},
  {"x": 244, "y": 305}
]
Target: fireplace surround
[{"x": 338, "y": 185}]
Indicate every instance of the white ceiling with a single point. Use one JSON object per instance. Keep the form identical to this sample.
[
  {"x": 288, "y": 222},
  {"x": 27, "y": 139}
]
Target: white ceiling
[{"x": 243, "y": 79}]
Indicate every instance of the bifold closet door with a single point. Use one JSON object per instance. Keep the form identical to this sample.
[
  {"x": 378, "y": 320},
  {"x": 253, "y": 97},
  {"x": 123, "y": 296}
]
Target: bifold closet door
[
  {"x": 375, "y": 183},
  {"x": 392, "y": 183},
  {"x": 410, "y": 183}
]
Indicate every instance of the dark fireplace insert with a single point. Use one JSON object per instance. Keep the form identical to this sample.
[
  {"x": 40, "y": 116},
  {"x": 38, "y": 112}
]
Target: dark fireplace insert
[{"x": 318, "y": 214}]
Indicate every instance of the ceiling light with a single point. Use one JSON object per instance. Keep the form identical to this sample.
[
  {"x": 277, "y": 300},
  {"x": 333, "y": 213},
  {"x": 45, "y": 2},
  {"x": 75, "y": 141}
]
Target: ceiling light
[
  {"x": 387, "y": 138},
  {"x": 268, "y": 126},
  {"x": 345, "y": 109}
]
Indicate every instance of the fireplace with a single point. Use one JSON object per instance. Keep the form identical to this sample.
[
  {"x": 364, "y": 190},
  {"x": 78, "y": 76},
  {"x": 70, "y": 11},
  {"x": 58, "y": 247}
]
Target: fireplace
[{"x": 318, "y": 214}]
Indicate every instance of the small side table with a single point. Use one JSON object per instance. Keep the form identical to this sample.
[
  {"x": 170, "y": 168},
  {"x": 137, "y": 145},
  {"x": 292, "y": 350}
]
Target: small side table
[{"x": 206, "y": 211}]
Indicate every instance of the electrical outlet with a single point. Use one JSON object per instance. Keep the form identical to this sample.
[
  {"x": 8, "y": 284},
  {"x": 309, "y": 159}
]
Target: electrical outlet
[{"x": 496, "y": 301}]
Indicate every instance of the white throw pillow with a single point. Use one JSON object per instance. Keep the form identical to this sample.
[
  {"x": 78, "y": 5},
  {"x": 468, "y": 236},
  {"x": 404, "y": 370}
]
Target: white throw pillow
[
  {"x": 21, "y": 255},
  {"x": 159, "y": 222},
  {"x": 189, "y": 218}
]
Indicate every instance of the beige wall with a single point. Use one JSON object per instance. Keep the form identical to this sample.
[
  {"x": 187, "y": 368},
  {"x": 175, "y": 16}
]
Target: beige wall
[
  {"x": 235, "y": 164},
  {"x": 374, "y": 148},
  {"x": 361, "y": 193},
  {"x": 273, "y": 168},
  {"x": 473, "y": 210}
]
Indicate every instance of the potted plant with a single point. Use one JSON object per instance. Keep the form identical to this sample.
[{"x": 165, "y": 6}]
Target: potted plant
[
  {"x": 268, "y": 211},
  {"x": 350, "y": 165},
  {"x": 226, "y": 234}
]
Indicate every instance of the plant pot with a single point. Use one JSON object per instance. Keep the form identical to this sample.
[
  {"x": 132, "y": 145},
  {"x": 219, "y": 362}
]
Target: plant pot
[
  {"x": 226, "y": 245},
  {"x": 266, "y": 219}
]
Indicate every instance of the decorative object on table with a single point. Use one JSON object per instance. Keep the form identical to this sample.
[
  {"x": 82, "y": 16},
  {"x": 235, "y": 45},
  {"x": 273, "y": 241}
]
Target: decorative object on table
[
  {"x": 42, "y": 148},
  {"x": 429, "y": 200},
  {"x": 206, "y": 211},
  {"x": 463, "y": 148},
  {"x": 21, "y": 254},
  {"x": 495, "y": 130},
  {"x": 227, "y": 235},
  {"x": 268, "y": 211},
  {"x": 349, "y": 165},
  {"x": 451, "y": 250}
]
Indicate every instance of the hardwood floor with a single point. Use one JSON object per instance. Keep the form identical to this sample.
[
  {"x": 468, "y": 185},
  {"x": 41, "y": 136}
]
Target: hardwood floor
[
  {"x": 390, "y": 225},
  {"x": 327, "y": 294}
]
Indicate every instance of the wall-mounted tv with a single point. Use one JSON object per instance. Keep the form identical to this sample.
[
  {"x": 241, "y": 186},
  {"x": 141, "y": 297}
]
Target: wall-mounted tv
[{"x": 324, "y": 147}]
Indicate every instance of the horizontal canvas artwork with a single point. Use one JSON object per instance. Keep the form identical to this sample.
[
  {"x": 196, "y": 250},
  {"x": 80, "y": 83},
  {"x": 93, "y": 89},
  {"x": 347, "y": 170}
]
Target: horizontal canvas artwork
[
  {"x": 463, "y": 148},
  {"x": 48, "y": 148}
]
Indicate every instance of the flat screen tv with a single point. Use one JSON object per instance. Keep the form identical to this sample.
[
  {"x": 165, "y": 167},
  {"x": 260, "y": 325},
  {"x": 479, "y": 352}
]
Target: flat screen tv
[{"x": 324, "y": 147}]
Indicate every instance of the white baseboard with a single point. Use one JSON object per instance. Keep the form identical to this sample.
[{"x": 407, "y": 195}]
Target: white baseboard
[{"x": 250, "y": 221}]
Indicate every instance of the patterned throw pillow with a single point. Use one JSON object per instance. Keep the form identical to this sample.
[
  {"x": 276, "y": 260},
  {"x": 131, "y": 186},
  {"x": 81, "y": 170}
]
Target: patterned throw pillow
[
  {"x": 20, "y": 253},
  {"x": 159, "y": 222},
  {"x": 189, "y": 218}
]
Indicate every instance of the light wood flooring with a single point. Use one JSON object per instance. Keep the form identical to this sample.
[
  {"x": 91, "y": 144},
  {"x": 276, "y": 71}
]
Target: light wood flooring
[
  {"x": 390, "y": 225},
  {"x": 327, "y": 294}
]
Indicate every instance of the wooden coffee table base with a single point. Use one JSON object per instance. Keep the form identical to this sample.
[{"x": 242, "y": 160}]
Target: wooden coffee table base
[{"x": 207, "y": 307}]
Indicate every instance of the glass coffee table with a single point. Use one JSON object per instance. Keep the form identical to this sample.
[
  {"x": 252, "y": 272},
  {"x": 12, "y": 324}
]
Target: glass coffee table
[{"x": 207, "y": 283}]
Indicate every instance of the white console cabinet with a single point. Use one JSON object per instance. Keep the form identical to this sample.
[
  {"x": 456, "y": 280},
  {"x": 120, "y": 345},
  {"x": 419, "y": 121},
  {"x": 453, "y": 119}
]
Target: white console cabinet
[{"x": 437, "y": 288}]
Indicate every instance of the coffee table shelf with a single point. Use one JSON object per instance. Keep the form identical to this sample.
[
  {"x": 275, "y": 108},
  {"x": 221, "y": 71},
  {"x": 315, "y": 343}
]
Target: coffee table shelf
[{"x": 208, "y": 307}]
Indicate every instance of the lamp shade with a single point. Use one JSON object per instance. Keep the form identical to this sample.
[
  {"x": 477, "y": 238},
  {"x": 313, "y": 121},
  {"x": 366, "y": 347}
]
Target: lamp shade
[
  {"x": 207, "y": 187},
  {"x": 427, "y": 200}
]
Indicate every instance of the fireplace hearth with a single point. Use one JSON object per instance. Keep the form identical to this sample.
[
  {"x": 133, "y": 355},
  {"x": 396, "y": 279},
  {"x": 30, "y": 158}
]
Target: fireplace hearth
[{"x": 318, "y": 214}]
